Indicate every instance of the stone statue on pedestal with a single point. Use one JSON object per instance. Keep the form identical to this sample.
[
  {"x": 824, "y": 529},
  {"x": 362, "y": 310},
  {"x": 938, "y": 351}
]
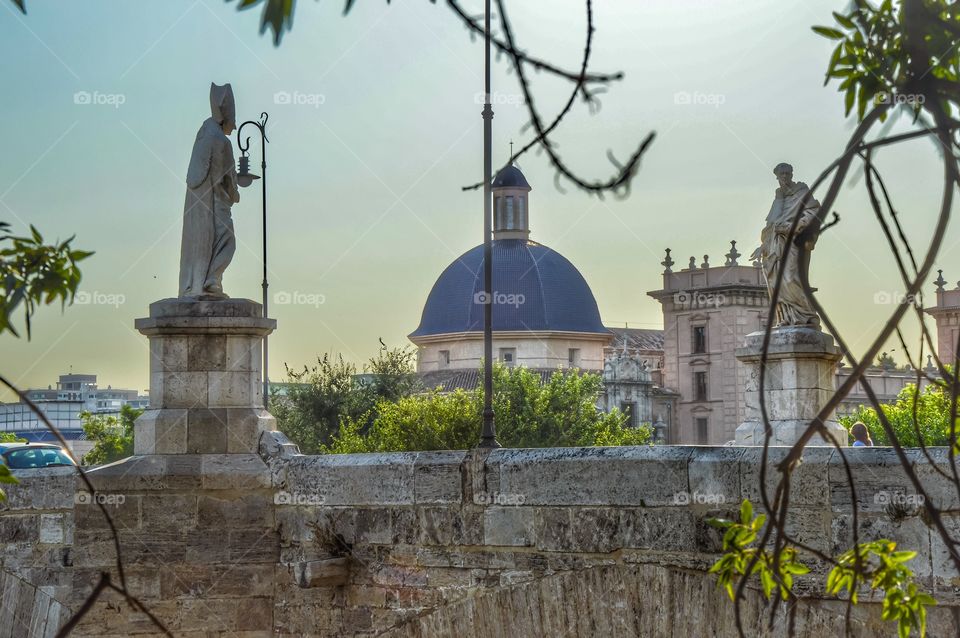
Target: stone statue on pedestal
[
  {"x": 798, "y": 365},
  {"x": 792, "y": 200},
  {"x": 208, "y": 243}
]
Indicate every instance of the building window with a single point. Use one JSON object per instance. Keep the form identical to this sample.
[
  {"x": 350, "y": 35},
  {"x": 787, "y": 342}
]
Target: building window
[
  {"x": 573, "y": 357},
  {"x": 700, "y": 386},
  {"x": 630, "y": 409},
  {"x": 508, "y": 356},
  {"x": 702, "y": 434},
  {"x": 521, "y": 212},
  {"x": 444, "y": 358},
  {"x": 699, "y": 339},
  {"x": 499, "y": 211},
  {"x": 509, "y": 213}
]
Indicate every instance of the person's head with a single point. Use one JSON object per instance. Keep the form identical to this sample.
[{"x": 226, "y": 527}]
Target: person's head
[
  {"x": 860, "y": 433},
  {"x": 223, "y": 108},
  {"x": 784, "y": 173}
]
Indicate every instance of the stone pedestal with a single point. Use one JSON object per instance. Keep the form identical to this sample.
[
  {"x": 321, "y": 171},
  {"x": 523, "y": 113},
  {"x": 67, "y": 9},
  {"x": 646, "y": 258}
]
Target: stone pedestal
[
  {"x": 206, "y": 393},
  {"x": 800, "y": 369}
]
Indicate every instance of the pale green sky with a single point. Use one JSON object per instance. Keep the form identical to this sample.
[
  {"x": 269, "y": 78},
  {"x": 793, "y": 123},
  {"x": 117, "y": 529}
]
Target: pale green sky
[{"x": 365, "y": 201}]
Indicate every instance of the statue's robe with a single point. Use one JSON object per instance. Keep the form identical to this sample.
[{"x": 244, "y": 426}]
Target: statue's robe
[
  {"x": 793, "y": 307},
  {"x": 208, "y": 242}
]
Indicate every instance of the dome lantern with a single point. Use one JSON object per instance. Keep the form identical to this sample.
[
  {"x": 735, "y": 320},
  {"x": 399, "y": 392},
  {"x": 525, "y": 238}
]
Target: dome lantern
[{"x": 511, "y": 204}]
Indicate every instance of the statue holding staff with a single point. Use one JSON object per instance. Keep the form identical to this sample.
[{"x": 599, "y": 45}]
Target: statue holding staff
[{"x": 208, "y": 243}]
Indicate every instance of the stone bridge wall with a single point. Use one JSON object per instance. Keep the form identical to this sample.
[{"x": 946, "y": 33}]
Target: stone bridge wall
[{"x": 578, "y": 542}]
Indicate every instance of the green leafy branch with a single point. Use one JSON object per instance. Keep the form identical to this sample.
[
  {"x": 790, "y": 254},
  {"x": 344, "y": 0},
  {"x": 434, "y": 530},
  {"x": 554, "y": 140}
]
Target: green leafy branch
[
  {"x": 35, "y": 273},
  {"x": 776, "y": 571},
  {"x": 900, "y": 53},
  {"x": 876, "y": 563},
  {"x": 885, "y": 568}
]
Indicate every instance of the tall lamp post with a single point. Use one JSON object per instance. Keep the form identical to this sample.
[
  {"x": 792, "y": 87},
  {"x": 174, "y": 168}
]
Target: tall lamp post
[
  {"x": 246, "y": 178},
  {"x": 488, "y": 436}
]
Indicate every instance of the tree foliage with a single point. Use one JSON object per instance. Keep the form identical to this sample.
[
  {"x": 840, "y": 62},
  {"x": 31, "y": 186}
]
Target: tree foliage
[
  {"x": 319, "y": 397},
  {"x": 885, "y": 51},
  {"x": 112, "y": 435},
  {"x": 529, "y": 413},
  {"x": 917, "y": 418},
  {"x": 35, "y": 273},
  {"x": 875, "y": 564}
]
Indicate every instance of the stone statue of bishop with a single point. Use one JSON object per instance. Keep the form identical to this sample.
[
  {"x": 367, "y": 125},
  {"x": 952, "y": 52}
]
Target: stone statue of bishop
[{"x": 208, "y": 243}]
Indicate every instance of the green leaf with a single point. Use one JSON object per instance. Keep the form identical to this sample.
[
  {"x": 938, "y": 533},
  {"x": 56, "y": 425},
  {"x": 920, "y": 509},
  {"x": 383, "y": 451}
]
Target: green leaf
[
  {"x": 746, "y": 512},
  {"x": 844, "y": 20},
  {"x": 827, "y": 32},
  {"x": 848, "y": 100}
]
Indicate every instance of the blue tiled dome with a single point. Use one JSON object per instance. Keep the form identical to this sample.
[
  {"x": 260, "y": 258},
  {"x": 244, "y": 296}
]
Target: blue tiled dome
[{"x": 536, "y": 289}]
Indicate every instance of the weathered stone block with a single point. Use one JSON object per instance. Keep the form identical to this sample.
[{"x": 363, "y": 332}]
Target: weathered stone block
[
  {"x": 184, "y": 390},
  {"x": 331, "y": 572},
  {"x": 810, "y": 482},
  {"x": 438, "y": 477},
  {"x": 239, "y": 353},
  {"x": 244, "y": 426},
  {"x": 358, "y": 479},
  {"x": 648, "y": 476},
  {"x": 206, "y": 431},
  {"x": 231, "y": 389},
  {"x": 207, "y": 352},
  {"x": 714, "y": 477},
  {"x": 168, "y": 510},
  {"x": 240, "y": 510}
]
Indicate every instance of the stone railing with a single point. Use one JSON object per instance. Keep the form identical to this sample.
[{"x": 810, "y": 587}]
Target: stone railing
[
  {"x": 590, "y": 541},
  {"x": 37, "y": 532}
]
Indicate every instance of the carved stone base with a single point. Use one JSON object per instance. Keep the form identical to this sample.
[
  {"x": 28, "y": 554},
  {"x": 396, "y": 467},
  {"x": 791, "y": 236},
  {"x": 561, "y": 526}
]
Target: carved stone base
[
  {"x": 800, "y": 369},
  {"x": 206, "y": 393}
]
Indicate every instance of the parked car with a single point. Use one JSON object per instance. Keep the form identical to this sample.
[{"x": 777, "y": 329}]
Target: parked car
[{"x": 21, "y": 456}]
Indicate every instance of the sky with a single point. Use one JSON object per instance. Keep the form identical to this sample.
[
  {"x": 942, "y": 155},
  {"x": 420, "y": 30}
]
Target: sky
[{"x": 374, "y": 126}]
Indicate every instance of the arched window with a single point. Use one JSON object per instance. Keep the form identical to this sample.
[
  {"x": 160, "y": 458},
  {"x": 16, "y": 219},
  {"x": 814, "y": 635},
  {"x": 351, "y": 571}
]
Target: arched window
[
  {"x": 509, "y": 225},
  {"x": 522, "y": 213}
]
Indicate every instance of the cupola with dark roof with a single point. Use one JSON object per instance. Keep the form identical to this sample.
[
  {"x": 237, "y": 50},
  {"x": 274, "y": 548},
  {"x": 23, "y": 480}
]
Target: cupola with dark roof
[{"x": 511, "y": 208}]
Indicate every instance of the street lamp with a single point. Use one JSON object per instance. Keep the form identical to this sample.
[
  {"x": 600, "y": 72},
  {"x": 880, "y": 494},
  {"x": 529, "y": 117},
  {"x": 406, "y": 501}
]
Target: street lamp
[
  {"x": 246, "y": 178},
  {"x": 488, "y": 436}
]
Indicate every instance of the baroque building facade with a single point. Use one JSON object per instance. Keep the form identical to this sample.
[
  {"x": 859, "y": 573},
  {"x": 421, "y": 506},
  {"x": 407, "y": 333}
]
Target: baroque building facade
[{"x": 684, "y": 380}]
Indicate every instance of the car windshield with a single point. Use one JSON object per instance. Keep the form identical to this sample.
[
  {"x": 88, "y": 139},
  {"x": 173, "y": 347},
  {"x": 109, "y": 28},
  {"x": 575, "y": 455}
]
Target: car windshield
[{"x": 24, "y": 458}]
